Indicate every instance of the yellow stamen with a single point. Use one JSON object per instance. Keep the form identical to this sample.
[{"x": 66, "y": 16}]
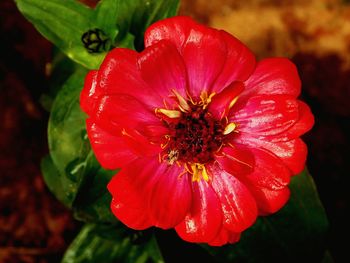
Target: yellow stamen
[
  {"x": 163, "y": 145},
  {"x": 229, "y": 128},
  {"x": 204, "y": 96},
  {"x": 233, "y": 102},
  {"x": 198, "y": 171},
  {"x": 182, "y": 173},
  {"x": 205, "y": 99},
  {"x": 173, "y": 114},
  {"x": 183, "y": 105}
]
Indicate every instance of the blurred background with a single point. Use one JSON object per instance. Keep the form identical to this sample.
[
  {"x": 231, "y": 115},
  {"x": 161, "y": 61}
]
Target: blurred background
[{"x": 314, "y": 34}]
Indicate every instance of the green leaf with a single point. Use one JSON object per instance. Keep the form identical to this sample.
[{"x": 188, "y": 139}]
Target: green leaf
[
  {"x": 92, "y": 203},
  {"x": 68, "y": 143},
  {"x": 59, "y": 70},
  {"x": 118, "y": 22},
  {"x": 63, "y": 23},
  {"x": 53, "y": 179},
  {"x": 296, "y": 233},
  {"x": 82, "y": 182},
  {"x": 136, "y": 16},
  {"x": 106, "y": 16},
  {"x": 98, "y": 243},
  {"x": 327, "y": 258}
]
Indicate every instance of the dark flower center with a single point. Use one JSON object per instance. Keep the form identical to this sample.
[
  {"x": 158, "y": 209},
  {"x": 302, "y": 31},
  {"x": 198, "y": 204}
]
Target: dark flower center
[{"x": 195, "y": 137}]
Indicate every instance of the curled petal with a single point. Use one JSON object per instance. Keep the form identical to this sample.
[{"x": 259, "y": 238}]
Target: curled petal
[
  {"x": 131, "y": 189},
  {"x": 273, "y": 76},
  {"x": 221, "y": 103},
  {"x": 204, "y": 219},
  {"x": 171, "y": 197},
  {"x": 237, "y": 204}
]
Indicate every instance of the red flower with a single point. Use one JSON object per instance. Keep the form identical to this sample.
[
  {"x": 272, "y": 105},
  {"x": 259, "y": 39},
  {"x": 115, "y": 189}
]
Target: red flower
[{"x": 205, "y": 137}]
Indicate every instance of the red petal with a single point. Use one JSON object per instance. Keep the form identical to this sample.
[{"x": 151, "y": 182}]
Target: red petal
[
  {"x": 293, "y": 153},
  {"x": 119, "y": 74},
  {"x": 134, "y": 217},
  {"x": 304, "y": 124},
  {"x": 204, "y": 54},
  {"x": 121, "y": 111},
  {"x": 170, "y": 198},
  {"x": 90, "y": 93},
  {"x": 130, "y": 189},
  {"x": 268, "y": 182},
  {"x": 239, "y": 65},
  {"x": 111, "y": 151},
  {"x": 273, "y": 76},
  {"x": 221, "y": 103},
  {"x": 267, "y": 115},
  {"x": 163, "y": 69},
  {"x": 224, "y": 237},
  {"x": 238, "y": 205},
  {"x": 236, "y": 160},
  {"x": 270, "y": 201},
  {"x": 175, "y": 29},
  {"x": 203, "y": 49},
  {"x": 269, "y": 171},
  {"x": 205, "y": 217},
  {"x": 139, "y": 144},
  {"x": 155, "y": 133}
]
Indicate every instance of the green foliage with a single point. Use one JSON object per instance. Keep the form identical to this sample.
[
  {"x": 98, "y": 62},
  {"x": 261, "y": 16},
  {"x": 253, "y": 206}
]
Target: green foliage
[
  {"x": 121, "y": 21},
  {"x": 96, "y": 243},
  {"x": 296, "y": 233},
  {"x": 71, "y": 171},
  {"x": 63, "y": 23},
  {"x": 137, "y": 15}
]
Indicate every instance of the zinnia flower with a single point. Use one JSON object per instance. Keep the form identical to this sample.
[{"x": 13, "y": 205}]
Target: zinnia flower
[{"x": 206, "y": 138}]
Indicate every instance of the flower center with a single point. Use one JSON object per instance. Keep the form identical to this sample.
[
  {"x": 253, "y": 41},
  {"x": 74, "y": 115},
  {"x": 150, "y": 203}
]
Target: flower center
[{"x": 195, "y": 137}]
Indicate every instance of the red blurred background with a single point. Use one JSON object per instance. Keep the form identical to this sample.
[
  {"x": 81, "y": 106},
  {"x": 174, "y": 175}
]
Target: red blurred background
[{"x": 34, "y": 227}]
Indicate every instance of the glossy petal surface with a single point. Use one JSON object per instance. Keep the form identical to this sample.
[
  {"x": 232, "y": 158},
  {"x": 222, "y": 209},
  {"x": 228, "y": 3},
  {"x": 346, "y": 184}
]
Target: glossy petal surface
[
  {"x": 204, "y": 218},
  {"x": 206, "y": 137}
]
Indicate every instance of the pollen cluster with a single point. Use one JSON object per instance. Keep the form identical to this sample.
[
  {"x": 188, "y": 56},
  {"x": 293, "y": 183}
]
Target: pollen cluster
[{"x": 195, "y": 137}]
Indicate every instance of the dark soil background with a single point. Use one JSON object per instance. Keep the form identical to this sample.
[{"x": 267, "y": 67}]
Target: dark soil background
[{"x": 34, "y": 227}]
